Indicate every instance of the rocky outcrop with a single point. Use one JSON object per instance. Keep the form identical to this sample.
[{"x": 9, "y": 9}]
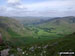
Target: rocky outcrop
[
  {"x": 0, "y": 38},
  {"x": 5, "y": 52}
]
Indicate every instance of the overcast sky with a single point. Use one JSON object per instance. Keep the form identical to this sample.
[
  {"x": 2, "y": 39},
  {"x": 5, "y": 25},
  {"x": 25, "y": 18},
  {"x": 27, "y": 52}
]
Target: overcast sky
[{"x": 50, "y": 8}]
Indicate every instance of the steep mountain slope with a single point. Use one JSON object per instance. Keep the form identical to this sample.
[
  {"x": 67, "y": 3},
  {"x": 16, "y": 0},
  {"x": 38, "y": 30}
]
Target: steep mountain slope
[
  {"x": 12, "y": 27},
  {"x": 60, "y": 25}
]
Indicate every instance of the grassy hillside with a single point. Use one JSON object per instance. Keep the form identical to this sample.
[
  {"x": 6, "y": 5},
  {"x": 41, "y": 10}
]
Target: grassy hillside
[
  {"x": 59, "y": 25},
  {"x": 48, "y": 48},
  {"x": 10, "y": 27},
  {"x": 52, "y": 47}
]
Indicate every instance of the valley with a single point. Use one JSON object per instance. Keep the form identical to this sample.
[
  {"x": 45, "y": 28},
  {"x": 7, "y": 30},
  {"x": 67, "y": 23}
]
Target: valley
[{"x": 37, "y": 36}]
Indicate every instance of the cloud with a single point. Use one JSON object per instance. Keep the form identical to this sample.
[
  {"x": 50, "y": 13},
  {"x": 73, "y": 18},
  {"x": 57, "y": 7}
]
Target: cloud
[
  {"x": 53, "y": 8},
  {"x": 53, "y": 4},
  {"x": 13, "y": 1},
  {"x": 44, "y": 8}
]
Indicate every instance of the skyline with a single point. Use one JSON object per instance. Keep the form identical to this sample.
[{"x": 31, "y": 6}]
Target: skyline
[{"x": 50, "y": 8}]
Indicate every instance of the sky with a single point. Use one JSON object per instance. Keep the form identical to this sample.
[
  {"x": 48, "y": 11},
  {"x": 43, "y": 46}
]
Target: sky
[{"x": 47, "y": 8}]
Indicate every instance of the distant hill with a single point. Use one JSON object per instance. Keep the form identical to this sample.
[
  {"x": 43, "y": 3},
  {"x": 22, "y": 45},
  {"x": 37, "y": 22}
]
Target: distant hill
[
  {"x": 60, "y": 24},
  {"x": 31, "y": 20}
]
